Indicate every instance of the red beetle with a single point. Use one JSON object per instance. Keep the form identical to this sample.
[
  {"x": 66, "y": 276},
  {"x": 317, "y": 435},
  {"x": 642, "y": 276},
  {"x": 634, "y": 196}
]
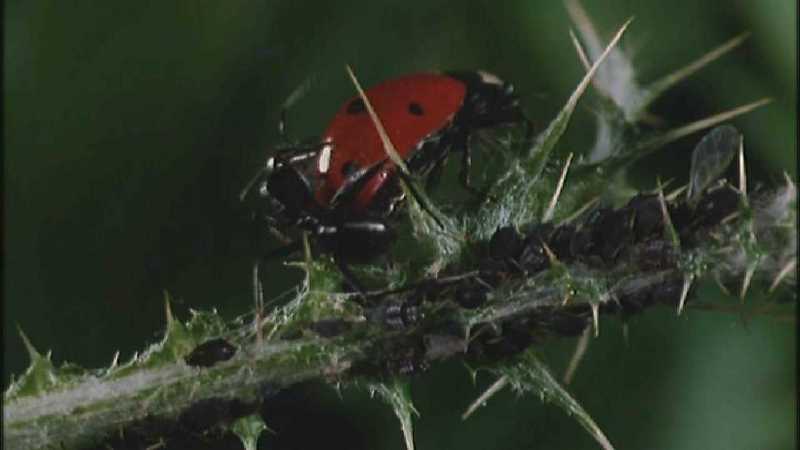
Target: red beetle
[{"x": 344, "y": 199}]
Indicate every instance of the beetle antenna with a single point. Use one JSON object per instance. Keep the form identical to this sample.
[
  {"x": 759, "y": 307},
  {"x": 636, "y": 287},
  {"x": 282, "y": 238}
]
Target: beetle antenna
[
  {"x": 269, "y": 167},
  {"x": 250, "y": 184}
]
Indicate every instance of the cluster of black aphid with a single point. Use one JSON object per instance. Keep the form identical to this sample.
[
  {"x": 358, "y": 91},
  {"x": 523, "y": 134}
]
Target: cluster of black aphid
[{"x": 634, "y": 237}]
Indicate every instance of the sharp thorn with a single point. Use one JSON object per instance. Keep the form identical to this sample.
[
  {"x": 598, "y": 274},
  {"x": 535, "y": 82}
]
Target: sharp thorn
[
  {"x": 168, "y": 309},
  {"x": 579, "y": 49},
  {"x": 595, "y": 318},
  {"x": 487, "y": 394},
  {"x": 674, "y": 194},
  {"x": 748, "y": 277},
  {"x": 580, "y": 211},
  {"x": 550, "y": 255},
  {"x": 548, "y": 215},
  {"x": 577, "y": 355},
  {"x": 32, "y": 352},
  {"x": 687, "y": 283},
  {"x": 669, "y": 228},
  {"x": 388, "y": 146},
  {"x": 742, "y": 171},
  {"x": 786, "y": 270}
]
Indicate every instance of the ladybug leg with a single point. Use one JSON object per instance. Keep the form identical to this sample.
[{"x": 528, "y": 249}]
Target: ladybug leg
[
  {"x": 350, "y": 278},
  {"x": 297, "y": 154}
]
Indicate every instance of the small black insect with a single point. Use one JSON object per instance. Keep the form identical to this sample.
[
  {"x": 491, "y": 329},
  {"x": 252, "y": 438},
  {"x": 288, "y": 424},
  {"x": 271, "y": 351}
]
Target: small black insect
[
  {"x": 329, "y": 328},
  {"x": 406, "y": 367},
  {"x": 472, "y": 295},
  {"x": 211, "y": 352},
  {"x": 396, "y": 314}
]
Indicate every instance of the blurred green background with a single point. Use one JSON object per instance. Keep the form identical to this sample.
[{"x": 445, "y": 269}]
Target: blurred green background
[{"x": 130, "y": 127}]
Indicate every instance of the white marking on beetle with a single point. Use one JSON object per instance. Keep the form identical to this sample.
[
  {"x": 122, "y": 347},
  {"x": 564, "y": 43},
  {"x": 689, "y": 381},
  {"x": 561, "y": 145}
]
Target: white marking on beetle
[
  {"x": 263, "y": 189},
  {"x": 489, "y": 78},
  {"x": 325, "y": 158}
]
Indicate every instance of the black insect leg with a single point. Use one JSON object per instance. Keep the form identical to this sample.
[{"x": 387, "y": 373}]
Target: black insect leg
[{"x": 350, "y": 278}]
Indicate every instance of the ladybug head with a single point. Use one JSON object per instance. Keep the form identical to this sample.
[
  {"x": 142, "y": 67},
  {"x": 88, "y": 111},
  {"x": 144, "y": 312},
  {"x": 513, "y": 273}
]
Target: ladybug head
[{"x": 278, "y": 191}]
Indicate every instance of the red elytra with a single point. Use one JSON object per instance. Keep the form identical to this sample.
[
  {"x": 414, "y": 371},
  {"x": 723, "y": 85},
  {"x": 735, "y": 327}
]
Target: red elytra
[{"x": 410, "y": 108}]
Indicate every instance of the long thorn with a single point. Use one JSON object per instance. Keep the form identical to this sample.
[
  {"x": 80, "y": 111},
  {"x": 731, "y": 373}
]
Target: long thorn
[
  {"x": 674, "y": 194},
  {"x": 687, "y": 283},
  {"x": 580, "y": 211},
  {"x": 32, "y": 352},
  {"x": 548, "y": 215},
  {"x": 659, "y": 86},
  {"x": 748, "y": 277},
  {"x": 258, "y": 299},
  {"x": 582, "y": 21},
  {"x": 579, "y": 49},
  {"x": 388, "y": 146},
  {"x": 551, "y": 257},
  {"x": 742, "y": 171},
  {"x": 577, "y": 356},
  {"x": 674, "y": 135},
  {"x": 786, "y": 270},
  {"x": 487, "y": 394},
  {"x": 391, "y": 150},
  {"x": 669, "y": 228}
]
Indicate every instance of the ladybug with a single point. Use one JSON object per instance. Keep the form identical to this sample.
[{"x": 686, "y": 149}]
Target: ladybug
[{"x": 343, "y": 188}]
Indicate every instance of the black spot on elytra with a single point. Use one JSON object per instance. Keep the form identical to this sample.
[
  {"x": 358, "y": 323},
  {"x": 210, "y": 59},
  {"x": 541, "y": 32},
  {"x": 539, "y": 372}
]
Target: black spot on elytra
[
  {"x": 356, "y": 106},
  {"x": 415, "y": 109}
]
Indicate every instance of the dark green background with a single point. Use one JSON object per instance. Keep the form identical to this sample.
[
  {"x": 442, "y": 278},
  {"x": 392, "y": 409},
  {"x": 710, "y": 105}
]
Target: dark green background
[{"x": 131, "y": 126}]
